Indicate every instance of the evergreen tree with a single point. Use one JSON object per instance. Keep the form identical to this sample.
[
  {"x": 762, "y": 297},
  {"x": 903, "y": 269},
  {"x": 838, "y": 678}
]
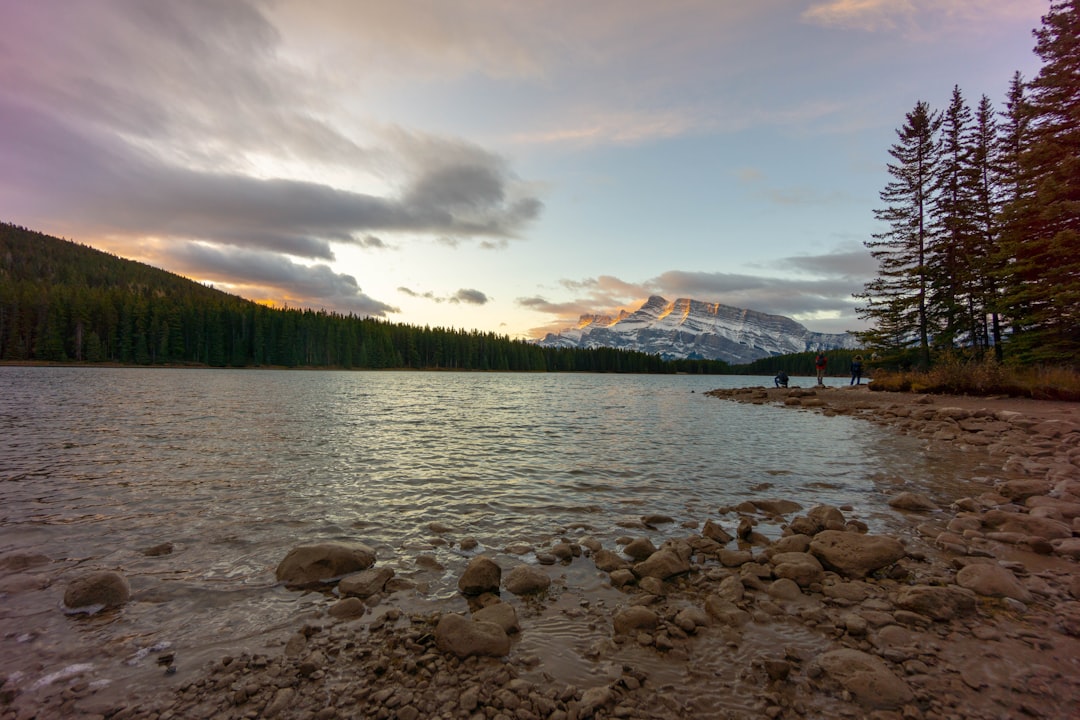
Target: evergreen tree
[
  {"x": 987, "y": 206},
  {"x": 952, "y": 241},
  {"x": 1041, "y": 238},
  {"x": 896, "y": 300}
]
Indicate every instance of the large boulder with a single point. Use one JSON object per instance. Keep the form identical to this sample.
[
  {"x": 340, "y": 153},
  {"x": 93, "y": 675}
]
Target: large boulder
[
  {"x": 481, "y": 575},
  {"x": 854, "y": 554},
  {"x": 96, "y": 590},
  {"x": 867, "y": 678},
  {"x": 467, "y": 638},
  {"x": 527, "y": 580},
  {"x": 315, "y": 564}
]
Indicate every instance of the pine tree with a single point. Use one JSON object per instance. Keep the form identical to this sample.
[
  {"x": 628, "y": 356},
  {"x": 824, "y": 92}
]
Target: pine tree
[
  {"x": 1041, "y": 240},
  {"x": 987, "y": 206},
  {"x": 896, "y": 300},
  {"x": 952, "y": 242}
]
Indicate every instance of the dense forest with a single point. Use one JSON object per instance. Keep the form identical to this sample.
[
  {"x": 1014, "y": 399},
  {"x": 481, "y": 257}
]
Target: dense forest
[
  {"x": 61, "y": 301},
  {"x": 981, "y": 255}
]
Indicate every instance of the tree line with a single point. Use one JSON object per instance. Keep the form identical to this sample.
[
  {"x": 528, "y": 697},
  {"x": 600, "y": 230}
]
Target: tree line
[
  {"x": 61, "y": 301},
  {"x": 981, "y": 255}
]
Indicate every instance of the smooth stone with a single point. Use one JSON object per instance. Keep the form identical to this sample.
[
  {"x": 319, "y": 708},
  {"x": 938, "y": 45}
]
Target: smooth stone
[
  {"x": 105, "y": 589},
  {"x": 481, "y": 575},
  {"x": 527, "y": 580},
  {"x": 468, "y": 638},
  {"x": 321, "y": 562}
]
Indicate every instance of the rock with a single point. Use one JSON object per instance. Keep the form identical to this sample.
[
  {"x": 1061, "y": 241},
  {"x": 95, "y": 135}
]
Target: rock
[
  {"x": 690, "y": 619},
  {"x": 481, "y": 575},
  {"x": 916, "y": 502},
  {"x": 854, "y": 554},
  {"x": 527, "y": 580},
  {"x": 351, "y": 607},
  {"x": 937, "y": 602},
  {"x": 650, "y": 520},
  {"x": 19, "y": 562},
  {"x": 826, "y": 517},
  {"x": 467, "y": 638},
  {"x": 608, "y": 561},
  {"x": 622, "y": 577},
  {"x": 785, "y": 589},
  {"x": 734, "y": 558},
  {"x": 725, "y": 611},
  {"x": 1067, "y": 547},
  {"x": 867, "y": 678},
  {"x": 99, "y": 589},
  {"x": 803, "y": 568},
  {"x": 594, "y": 699},
  {"x": 791, "y": 543},
  {"x": 714, "y": 532},
  {"x": 640, "y": 549},
  {"x": 501, "y": 614},
  {"x": 1025, "y": 524},
  {"x": 635, "y": 618},
  {"x": 307, "y": 565},
  {"x": 731, "y": 589},
  {"x": 282, "y": 699},
  {"x": 158, "y": 550},
  {"x": 777, "y": 507},
  {"x": 365, "y": 583},
  {"x": 564, "y": 552},
  {"x": 663, "y": 564},
  {"x": 992, "y": 580}
]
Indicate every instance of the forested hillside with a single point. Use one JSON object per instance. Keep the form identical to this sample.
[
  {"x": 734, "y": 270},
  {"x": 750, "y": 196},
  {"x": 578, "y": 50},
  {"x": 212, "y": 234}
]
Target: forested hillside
[{"x": 60, "y": 301}]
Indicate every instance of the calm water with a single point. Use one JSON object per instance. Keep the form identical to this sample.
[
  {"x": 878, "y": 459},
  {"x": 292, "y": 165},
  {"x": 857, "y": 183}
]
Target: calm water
[{"x": 236, "y": 467}]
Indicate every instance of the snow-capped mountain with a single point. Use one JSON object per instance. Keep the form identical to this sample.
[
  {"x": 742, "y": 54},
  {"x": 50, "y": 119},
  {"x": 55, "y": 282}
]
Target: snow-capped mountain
[{"x": 695, "y": 329}]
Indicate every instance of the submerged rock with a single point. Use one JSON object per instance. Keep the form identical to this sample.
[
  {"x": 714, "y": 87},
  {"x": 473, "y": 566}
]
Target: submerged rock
[
  {"x": 99, "y": 589},
  {"x": 307, "y": 565}
]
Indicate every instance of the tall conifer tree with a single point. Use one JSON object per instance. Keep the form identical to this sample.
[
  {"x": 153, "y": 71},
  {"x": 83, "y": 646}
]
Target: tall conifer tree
[
  {"x": 896, "y": 300},
  {"x": 1041, "y": 240}
]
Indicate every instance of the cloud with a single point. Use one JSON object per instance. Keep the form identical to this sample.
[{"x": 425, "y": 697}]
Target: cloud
[
  {"x": 870, "y": 15},
  {"x": 464, "y": 295},
  {"x": 262, "y": 274},
  {"x": 471, "y": 297}
]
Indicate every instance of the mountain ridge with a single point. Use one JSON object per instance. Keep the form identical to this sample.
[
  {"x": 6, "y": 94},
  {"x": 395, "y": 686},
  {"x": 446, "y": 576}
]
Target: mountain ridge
[{"x": 695, "y": 329}]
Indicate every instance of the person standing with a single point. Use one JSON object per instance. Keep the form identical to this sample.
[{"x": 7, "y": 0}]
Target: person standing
[
  {"x": 856, "y": 370},
  {"x": 820, "y": 362}
]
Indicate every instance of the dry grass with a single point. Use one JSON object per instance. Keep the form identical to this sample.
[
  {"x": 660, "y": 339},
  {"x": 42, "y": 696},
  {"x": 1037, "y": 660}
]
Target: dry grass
[{"x": 959, "y": 377}]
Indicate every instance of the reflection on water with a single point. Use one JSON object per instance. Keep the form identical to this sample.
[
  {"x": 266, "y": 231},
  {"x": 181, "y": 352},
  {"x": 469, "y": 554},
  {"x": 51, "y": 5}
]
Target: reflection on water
[{"x": 236, "y": 467}]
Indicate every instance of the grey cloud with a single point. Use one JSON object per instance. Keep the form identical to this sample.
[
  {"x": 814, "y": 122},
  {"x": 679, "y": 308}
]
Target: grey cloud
[
  {"x": 315, "y": 286},
  {"x": 472, "y": 297},
  {"x": 857, "y": 264},
  {"x": 98, "y": 183}
]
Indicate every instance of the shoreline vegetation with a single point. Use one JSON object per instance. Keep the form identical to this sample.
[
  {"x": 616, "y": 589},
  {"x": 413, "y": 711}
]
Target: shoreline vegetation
[{"x": 970, "y": 610}]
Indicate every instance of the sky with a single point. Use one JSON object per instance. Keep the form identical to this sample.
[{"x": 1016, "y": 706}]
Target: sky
[{"x": 498, "y": 165}]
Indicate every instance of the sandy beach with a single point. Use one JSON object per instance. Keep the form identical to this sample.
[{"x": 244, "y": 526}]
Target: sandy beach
[{"x": 972, "y": 612}]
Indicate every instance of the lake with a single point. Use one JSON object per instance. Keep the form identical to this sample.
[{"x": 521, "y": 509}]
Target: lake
[{"x": 235, "y": 467}]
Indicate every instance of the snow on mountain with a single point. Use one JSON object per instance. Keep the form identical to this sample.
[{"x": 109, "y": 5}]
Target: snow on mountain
[{"x": 694, "y": 329}]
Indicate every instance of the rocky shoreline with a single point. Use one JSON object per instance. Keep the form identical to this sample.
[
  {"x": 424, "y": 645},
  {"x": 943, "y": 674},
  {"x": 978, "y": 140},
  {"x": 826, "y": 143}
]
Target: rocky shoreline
[{"x": 973, "y": 614}]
